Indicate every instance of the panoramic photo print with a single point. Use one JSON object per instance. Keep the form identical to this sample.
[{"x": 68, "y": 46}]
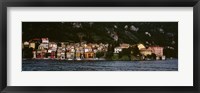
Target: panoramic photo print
[{"x": 99, "y": 46}]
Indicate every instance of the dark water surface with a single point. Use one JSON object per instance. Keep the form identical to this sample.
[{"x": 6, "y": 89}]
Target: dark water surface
[{"x": 64, "y": 65}]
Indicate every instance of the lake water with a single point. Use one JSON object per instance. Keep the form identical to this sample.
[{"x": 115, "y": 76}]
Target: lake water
[{"x": 64, "y": 65}]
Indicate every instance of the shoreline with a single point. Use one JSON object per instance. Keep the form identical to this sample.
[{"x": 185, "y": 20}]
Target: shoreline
[{"x": 94, "y": 60}]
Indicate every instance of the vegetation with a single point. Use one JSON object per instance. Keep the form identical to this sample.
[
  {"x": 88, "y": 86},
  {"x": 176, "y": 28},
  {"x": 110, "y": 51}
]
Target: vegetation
[
  {"x": 27, "y": 52},
  {"x": 115, "y": 57},
  {"x": 99, "y": 54},
  {"x": 124, "y": 58}
]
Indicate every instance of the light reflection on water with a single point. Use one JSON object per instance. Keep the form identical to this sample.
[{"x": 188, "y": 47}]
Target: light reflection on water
[{"x": 63, "y": 65}]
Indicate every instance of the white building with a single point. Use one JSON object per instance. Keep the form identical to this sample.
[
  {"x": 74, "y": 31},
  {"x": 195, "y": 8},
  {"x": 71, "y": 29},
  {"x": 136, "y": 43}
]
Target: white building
[
  {"x": 45, "y": 40},
  {"x": 117, "y": 49},
  {"x": 43, "y": 45}
]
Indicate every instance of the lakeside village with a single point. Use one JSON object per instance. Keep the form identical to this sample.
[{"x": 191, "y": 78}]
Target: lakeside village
[{"x": 42, "y": 48}]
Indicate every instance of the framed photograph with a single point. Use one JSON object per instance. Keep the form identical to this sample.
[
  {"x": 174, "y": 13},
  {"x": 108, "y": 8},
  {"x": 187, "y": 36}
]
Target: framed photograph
[{"x": 99, "y": 46}]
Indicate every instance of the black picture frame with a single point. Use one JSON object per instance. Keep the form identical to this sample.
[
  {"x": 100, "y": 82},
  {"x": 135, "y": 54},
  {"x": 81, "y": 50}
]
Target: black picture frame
[{"x": 100, "y": 3}]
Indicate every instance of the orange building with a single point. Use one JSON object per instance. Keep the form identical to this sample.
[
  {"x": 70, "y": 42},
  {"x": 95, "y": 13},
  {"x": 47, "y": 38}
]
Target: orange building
[
  {"x": 89, "y": 55},
  {"x": 157, "y": 50}
]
